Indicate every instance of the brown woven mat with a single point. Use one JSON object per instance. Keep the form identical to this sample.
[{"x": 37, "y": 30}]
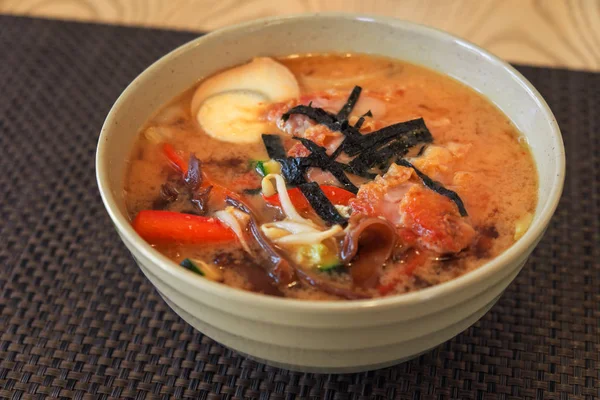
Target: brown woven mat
[{"x": 79, "y": 320}]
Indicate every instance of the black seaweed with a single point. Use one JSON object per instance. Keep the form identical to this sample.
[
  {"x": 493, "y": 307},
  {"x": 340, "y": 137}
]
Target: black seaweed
[
  {"x": 350, "y": 103},
  {"x": 393, "y": 149},
  {"x": 316, "y": 114},
  {"x": 361, "y": 120},
  {"x": 321, "y": 204},
  {"x": 293, "y": 170},
  {"x": 373, "y": 150},
  {"x": 436, "y": 187},
  {"x": 414, "y": 130},
  {"x": 274, "y": 146},
  {"x": 319, "y": 158}
]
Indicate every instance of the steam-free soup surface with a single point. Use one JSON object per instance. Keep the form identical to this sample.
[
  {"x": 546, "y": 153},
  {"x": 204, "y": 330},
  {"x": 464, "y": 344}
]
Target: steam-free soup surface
[{"x": 452, "y": 196}]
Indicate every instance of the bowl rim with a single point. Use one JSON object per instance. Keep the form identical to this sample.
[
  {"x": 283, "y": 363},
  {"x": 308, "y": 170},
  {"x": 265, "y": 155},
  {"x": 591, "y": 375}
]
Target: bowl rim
[{"x": 510, "y": 255}]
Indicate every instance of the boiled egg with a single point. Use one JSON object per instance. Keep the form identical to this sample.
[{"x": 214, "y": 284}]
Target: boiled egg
[{"x": 228, "y": 105}]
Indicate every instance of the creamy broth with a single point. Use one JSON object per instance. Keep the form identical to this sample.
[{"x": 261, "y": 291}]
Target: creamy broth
[{"x": 476, "y": 152}]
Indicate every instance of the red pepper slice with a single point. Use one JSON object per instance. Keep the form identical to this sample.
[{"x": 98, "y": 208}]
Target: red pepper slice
[
  {"x": 335, "y": 194},
  {"x": 175, "y": 158},
  {"x": 168, "y": 226}
]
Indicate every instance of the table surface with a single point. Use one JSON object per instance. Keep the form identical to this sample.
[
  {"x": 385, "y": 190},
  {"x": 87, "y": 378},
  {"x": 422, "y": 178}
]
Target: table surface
[{"x": 553, "y": 33}]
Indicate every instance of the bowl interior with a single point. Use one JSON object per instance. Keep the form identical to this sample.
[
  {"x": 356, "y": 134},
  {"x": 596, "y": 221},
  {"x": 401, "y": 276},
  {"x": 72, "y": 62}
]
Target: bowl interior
[{"x": 186, "y": 65}]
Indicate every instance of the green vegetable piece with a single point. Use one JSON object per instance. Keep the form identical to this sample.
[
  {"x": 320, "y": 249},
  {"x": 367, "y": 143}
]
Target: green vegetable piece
[
  {"x": 265, "y": 168},
  {"x": 329, "y": 265},
  {"x": 319, "y": 256},
  {"x": 190, "y": 265},
  {"x": 260, "y": 168}
]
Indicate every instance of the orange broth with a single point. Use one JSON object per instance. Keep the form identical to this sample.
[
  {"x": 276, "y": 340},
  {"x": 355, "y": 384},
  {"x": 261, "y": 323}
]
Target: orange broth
[{"x": 476, "y": 152}]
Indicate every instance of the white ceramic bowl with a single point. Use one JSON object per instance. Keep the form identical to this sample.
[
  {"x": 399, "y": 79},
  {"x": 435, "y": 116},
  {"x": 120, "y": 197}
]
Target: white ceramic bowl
[{"x": 331, "y": 336}]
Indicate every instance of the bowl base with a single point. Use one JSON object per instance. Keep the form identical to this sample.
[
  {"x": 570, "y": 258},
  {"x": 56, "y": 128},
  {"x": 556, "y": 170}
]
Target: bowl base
[
  {"x": 213, "y": 333},
  {"x": 333, "y": 370}
]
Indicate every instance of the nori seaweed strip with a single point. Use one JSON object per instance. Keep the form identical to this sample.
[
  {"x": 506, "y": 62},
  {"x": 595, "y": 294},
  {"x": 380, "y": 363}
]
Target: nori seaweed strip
[
  {"x": 355, "y": 143},
  {"x": 293, "y": 168},
  {"x": 321, "y": 204},
  {"x": 436, "y": 187},
  {"x": 361, "y": 120},
  {"x": 350, "y": 134},
  {"x": 336, "y": 152},
  {"x": 325, "y": 118},
  {"x": 365, "y": 161},
  {"x": 373, "y": 140},
  {"x": 317, "y": 114},
  {"x": 350, "y": 103},
  {"x": 349, "y": 131},
  {"x": 421, "y": 150},
  {"x": 320, "y": 159},
  {"x": 378, "y": 148},
  {"x": 274, "y": 146},
  {"x": 386, "y": 154}
]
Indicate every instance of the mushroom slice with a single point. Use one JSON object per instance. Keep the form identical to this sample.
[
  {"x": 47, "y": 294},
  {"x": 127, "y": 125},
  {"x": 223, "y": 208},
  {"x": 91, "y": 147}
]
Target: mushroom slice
[{"x": 367, "y": 246}]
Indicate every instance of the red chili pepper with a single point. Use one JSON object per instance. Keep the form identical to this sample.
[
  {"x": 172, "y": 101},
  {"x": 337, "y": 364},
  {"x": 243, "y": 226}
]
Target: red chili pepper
[
  {"x": 175, "y": 158},
  {"x": 335, "y": 194},
  {"x": 168, "y": 226}
]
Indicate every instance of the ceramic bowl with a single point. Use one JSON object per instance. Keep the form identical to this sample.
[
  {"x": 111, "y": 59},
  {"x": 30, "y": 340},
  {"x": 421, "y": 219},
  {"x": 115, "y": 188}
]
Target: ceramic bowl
[{"x": 330, "y": 336}]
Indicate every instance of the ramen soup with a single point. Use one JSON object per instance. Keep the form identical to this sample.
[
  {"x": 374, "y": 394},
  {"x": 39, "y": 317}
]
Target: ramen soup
[{"x": 330, "y": 177}]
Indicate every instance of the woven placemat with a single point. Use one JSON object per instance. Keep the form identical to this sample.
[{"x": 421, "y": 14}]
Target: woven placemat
[{"x": 79, "y": 320}]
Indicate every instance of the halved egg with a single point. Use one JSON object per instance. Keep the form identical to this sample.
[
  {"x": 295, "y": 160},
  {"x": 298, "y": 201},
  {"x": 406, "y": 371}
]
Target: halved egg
[{"x": 228, "y": 105}]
